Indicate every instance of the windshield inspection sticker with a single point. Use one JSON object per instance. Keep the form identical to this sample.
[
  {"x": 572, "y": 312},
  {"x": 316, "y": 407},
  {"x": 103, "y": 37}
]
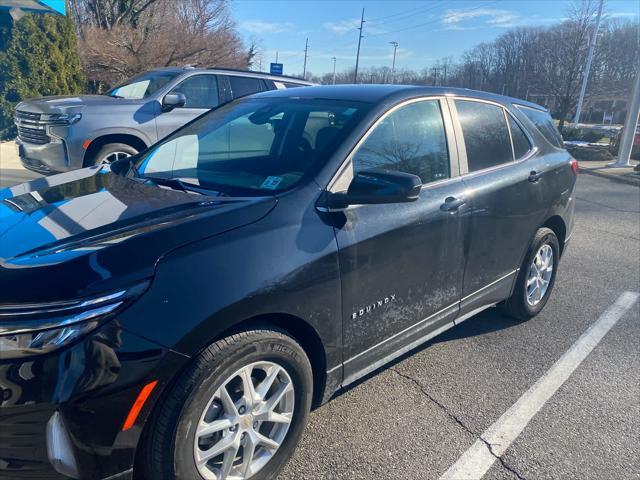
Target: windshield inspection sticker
[{"x": 271, "y": 183}]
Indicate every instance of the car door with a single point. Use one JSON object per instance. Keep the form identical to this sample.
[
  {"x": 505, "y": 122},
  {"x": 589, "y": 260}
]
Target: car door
[
  {"x": 401, "y": 263},
  {"x": 201, "y": 92},
  {"x": 504, "y": 178}
]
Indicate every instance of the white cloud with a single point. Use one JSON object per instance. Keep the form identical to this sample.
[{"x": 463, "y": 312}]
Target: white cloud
[
  {"x": 260, "y": 26},
  {"x": 621, "y": 15},
  {"x": 346, "y": 26},
  {"x": 452, "y": 19},
  {"x": 343, "y": 26}
]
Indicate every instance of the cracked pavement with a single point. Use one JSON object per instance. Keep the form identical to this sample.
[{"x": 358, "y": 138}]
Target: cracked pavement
[{"x": 413, "y": 418}]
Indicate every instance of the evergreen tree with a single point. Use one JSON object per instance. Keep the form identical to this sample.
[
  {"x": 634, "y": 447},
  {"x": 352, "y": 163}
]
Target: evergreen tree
[{"x": 38, "y": 57}]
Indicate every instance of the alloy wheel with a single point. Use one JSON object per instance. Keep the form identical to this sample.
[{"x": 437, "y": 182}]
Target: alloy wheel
[
  {"x": 540, "y": 275},
  {"x": 113, "y": 156},
  {"x": 245, "y": 422}
]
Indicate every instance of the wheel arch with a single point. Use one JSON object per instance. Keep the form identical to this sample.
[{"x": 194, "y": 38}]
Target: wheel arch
[
  {"x": 303, "y": 333},
  {"x": 99, "y": 142},
  {"x": 559, "y": 227}
]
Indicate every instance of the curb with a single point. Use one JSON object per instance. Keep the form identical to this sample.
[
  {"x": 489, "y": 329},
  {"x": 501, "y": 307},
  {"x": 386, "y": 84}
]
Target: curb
[{"x": 628, "y": 181}]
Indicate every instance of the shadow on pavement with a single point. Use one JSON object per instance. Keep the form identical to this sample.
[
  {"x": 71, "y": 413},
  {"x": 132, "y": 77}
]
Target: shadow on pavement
[{"x": 10, "y": 177}]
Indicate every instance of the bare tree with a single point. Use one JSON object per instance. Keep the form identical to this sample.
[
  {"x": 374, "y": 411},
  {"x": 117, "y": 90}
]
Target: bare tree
[
  {"x": 120, "y": 38},
  {"x": 565, "y": 48},
  {"x": 108, "y": 14}
]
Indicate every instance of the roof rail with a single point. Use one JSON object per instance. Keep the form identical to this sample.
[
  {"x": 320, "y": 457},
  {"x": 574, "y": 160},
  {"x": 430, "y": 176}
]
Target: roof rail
[{"x": 255, "y": 72}]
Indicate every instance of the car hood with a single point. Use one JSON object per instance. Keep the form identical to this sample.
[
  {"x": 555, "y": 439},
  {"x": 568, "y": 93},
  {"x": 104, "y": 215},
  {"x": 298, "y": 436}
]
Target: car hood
[
  {"x": 87, "y": 231},
  {"x": 67, "y": 104}
]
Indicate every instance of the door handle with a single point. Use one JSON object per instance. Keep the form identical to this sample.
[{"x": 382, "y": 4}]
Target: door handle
[
  {"x": 534, "y": 176},
  {"x": 451, "y": 204}
]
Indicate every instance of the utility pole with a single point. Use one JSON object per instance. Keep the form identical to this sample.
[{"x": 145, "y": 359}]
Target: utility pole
[
  {"x": 393, "y": 64},
  {"x": 276, "y": 56},
  {"x": 630, "y": 125},
  {"x": 334, "y": 70},
  {"x": 355, "y": 75},
  {"x": 435, "y": 71},
  {"x": 304, "y": 68},
  {"x": 585, "y": 78}
]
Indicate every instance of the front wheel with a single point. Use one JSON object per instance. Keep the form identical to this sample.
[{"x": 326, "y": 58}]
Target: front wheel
[
  {"x": 536, "y": 277},
  {"x": 237, "y": 412},
  {"x": 110, "y": 153}
]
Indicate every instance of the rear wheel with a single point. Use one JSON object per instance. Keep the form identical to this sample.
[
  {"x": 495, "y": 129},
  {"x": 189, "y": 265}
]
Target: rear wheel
[
  {"x": 536, "y": 277},
  {"x": 237, "y": 412},
  {"x": 111, "y": 152}
]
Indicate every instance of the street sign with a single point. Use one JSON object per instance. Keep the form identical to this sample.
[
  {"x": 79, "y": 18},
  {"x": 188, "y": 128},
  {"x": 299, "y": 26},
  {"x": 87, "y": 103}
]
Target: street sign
[{"x": 276, "y": 69}]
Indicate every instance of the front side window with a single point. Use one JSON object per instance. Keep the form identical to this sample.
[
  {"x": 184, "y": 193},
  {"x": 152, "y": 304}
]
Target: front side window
[
  {"x": 142, "y": 86},
  {"x": 253, "y": 146},
  {"x": 201, "y": 91},
  {"x": 486, "y": 137},
  {"x": 542, "y": 120},
  {"x": 411, "y": 139}
]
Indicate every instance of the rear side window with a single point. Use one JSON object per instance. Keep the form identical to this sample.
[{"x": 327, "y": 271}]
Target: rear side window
[
  {"x": 292, "y": 85},
  {"x": 485, "y": 132},
  {"x": 242, "y": 86},
  {"x": 411, "y": 139},
  {"x": 521, "y": 145},
  {"x": 544, "y": 123}
]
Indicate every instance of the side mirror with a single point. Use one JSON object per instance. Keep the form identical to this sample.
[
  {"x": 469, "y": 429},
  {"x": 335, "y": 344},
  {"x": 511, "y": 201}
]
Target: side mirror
[
  {"x": 378, "y": 186},
  {"x": 173, "y": 100}
]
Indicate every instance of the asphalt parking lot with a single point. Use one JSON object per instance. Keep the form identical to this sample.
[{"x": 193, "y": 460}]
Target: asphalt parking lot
[{"x": 416, "y": 418}]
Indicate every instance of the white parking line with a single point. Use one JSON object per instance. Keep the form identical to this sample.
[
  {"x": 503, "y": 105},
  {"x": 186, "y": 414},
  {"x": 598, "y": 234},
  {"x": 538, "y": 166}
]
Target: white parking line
[{"x": 478, "y": 459}]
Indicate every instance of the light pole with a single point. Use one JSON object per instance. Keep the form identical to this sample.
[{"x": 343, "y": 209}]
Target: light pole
[
  {"x": 304, "y": 68},
  {"x": 355, "y": 74},
  {"x": 585, "y": 78},
  {"x": 630, "y": 125},
  {"x": 334, "y": 70},
  {"x": 393, "y": 65}
]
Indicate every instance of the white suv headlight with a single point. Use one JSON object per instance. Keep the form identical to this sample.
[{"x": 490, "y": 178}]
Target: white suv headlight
[{"x": 60, "y": 118}]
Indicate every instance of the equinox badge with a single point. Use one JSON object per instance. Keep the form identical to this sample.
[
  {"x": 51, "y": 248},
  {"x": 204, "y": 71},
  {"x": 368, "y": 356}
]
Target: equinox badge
[{"x": 373, "y": 306}]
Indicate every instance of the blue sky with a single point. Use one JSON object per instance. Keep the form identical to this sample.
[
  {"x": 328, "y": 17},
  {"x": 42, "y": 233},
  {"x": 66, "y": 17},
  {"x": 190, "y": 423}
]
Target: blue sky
[{"x": 426, "y": 30}]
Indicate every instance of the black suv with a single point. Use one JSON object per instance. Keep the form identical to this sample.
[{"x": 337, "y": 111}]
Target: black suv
[
  {"x": 57, "y": 134},
  {"x": 177, "y": 313}
]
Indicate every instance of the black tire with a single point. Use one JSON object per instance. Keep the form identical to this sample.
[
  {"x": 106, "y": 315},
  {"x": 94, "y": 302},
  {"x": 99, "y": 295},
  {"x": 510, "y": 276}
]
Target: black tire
[
  {"x": 517, "y": 305},
  {"x": 107, "y": 150},
  {"x": 169, "y": 445}
]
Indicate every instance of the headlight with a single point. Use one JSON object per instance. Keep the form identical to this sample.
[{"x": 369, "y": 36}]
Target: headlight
[
  {"x": 60, "y": 118},
  {"x": 27, "y": 330}
]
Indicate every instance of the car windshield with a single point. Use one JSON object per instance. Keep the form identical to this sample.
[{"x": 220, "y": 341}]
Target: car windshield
[
  {"x": 142, "y": 86},
  {"x": 253, "y": 146}
]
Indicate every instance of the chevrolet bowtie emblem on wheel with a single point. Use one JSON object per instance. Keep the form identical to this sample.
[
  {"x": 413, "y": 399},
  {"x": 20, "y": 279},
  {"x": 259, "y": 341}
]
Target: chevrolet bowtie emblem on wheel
[{"x": 373, "y": 306}]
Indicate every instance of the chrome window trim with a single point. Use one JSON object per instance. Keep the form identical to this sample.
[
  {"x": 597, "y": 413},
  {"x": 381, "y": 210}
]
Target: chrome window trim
[
  {"x": 454, "y": 164},
  {"x": 462, "y": 147}
]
